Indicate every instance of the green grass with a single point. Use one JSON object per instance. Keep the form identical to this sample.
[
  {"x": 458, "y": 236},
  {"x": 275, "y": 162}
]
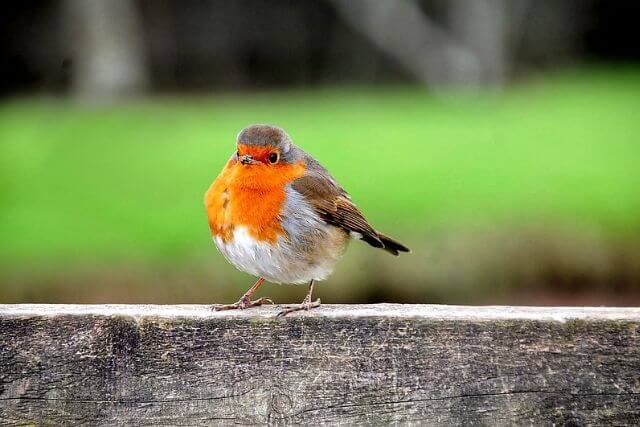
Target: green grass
[{"x": 123, "y": 183}]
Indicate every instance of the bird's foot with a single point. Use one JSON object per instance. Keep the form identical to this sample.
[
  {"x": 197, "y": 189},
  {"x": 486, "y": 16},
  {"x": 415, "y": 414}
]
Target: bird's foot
[
  {"x": 307, "y": 304},
  {"x": 243, "y": 303}
]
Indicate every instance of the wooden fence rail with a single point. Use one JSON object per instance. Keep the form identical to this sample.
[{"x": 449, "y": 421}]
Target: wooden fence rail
[{"x": 369, "y": 364}]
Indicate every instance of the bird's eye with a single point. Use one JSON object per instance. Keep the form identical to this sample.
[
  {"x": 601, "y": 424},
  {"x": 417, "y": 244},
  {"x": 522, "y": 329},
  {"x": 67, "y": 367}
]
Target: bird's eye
[
  {"x": 238, "y": 153},
  {"x": 273, "y": 158}
]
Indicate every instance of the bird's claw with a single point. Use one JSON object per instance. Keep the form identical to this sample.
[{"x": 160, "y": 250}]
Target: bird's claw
[
  {"x": 307, "y": 304},
  {"x": 242, "y": 304}
]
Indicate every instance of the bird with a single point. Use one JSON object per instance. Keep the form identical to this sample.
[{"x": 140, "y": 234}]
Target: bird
[{"x": 276, "y": 213}]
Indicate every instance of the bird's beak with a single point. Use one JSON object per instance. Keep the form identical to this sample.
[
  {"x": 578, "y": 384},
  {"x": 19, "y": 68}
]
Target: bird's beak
[{"x": 246, "y": 159}]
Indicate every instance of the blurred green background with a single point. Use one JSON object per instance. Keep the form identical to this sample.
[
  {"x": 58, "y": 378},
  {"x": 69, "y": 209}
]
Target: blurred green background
[{"x": 524, "y": 191}]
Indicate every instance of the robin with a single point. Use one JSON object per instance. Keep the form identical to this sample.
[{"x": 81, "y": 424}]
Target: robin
[{"x": 276, "y": 213}]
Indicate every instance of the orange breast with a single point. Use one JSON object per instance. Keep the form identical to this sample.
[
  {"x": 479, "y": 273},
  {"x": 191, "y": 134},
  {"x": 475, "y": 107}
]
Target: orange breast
[{"x": 251, "y": 196}]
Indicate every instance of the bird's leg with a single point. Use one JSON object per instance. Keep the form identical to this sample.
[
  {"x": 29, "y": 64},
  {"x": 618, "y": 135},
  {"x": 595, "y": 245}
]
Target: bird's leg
[
  {"x": 306, "y": 304},
  {"x": 245, "y": 300}
]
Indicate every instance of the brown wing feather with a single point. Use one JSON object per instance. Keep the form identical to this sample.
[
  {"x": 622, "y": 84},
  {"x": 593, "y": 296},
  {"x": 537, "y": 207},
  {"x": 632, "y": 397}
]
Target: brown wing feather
[{"x": 334, "y": 205}]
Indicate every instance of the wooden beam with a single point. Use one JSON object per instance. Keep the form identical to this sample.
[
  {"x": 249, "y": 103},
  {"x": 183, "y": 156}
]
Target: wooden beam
[{"x": 367, "y": 364}]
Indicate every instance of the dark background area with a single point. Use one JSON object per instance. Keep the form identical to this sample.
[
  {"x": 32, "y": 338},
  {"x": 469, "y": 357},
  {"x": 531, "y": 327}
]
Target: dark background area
[{"x": 189, "y": 46}]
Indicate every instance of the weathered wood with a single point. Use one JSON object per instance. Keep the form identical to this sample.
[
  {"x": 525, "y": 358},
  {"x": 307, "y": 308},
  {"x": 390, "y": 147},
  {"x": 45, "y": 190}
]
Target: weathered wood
[{"x": 163, "y": 365}]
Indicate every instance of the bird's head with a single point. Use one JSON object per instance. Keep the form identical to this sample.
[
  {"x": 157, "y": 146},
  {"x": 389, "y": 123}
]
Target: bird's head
[{"x": 264, "y": 145}]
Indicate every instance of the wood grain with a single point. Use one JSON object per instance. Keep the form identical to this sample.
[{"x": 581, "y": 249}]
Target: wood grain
[{"x": 370, "y": 364}]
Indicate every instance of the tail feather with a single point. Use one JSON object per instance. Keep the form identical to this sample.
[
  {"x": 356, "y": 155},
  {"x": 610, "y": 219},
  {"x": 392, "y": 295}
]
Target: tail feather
[{"x": 392, "y": 246}]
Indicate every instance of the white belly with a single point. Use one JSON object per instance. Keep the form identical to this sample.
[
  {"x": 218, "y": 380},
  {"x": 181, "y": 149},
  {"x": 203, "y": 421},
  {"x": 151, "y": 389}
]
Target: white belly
[{"x": 281, "y": 262}]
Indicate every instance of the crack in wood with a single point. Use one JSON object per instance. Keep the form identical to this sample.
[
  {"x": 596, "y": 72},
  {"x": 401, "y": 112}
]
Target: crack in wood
[
  {"x": 126, "y": 402},
  {"x": 461, "y": 396}
]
